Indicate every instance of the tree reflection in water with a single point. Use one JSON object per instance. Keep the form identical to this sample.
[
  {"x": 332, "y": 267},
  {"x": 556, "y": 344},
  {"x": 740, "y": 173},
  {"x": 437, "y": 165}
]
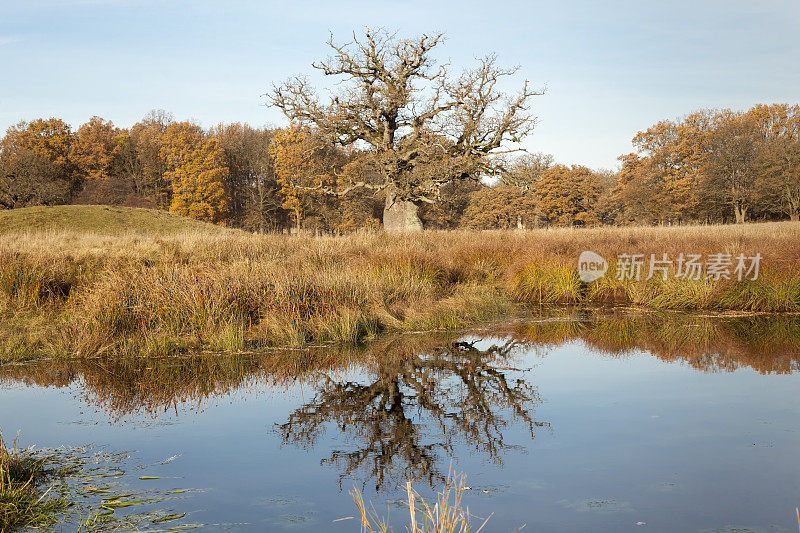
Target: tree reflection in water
[
  {"x": 412, "y": 408},
  {"x": 418, "y": 395}
]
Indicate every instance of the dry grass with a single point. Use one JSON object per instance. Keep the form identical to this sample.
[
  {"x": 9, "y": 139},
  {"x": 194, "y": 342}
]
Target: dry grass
[
  {"x": 108, "y": 220},
  {"x": 81, "y": 293},
  {"x": 447, "y": 515}
]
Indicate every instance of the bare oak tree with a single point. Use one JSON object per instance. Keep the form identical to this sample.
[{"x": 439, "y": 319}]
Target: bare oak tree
[{"x": 424, "y": 127}]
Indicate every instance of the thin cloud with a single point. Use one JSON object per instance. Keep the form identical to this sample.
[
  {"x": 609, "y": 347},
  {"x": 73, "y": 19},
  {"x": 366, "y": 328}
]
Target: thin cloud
[{"x": 9, "y": 40}]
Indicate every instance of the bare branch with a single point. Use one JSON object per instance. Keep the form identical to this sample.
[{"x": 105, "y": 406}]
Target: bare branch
[{"x": 424, "y": 128}]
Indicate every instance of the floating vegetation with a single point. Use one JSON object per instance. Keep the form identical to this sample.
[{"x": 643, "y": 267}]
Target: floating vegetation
[
  {"x": 24, "y": 502},
  {"x": 84, "y": 488}
]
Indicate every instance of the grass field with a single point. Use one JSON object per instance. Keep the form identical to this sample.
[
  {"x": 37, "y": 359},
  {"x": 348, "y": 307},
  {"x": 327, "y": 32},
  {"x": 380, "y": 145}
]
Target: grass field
[
  {"x": 100, "y": 219},
  {"x": 83, "y": 280}
]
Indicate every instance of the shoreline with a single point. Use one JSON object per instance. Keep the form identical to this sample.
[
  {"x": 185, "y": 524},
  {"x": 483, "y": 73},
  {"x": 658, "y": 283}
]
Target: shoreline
[{"x": 74, "y": 294}]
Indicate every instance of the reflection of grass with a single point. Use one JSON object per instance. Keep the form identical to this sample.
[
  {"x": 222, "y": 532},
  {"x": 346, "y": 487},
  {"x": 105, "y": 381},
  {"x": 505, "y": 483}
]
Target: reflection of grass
[
  {"x": 79, "y": 293},
  {"x": 447, "y": 515},
  {"x": 552, "y": 331},
  {"x": 766, "y": 343},
  {"x": 23, "y": 503},
  {"x": 124, "y": 385}
]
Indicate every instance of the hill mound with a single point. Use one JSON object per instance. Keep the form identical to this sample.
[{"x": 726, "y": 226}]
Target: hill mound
[{"x": 101, "y": 219}]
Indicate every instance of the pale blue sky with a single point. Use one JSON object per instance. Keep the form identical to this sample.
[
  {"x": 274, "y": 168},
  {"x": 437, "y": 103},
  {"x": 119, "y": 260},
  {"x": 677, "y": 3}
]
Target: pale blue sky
[{"x": 610, "y": 68}]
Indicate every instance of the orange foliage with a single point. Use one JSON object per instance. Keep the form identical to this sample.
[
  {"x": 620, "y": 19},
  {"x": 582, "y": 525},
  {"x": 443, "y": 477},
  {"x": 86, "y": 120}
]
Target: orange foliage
[
  {"x": 197, "y": 171},
  {"x": 96, "y": 144},
  {"x": 568, "y": 196},
  {"x": 301, "y": 168}
]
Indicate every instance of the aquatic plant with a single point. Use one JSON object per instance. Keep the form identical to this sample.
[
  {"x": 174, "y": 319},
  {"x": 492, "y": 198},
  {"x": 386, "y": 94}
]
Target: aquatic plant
[
  {"x": 24, "y": 502},
  {"x": 447, "y": 515}
]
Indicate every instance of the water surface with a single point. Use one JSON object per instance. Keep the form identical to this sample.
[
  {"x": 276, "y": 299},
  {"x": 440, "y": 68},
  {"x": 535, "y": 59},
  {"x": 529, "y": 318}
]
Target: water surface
[{"x": 578, "y": 421}]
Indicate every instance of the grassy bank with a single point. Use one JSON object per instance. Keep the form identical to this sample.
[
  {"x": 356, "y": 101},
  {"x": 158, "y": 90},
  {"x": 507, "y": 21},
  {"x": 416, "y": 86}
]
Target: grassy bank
[
  {"x": 84, "y": 292},
  {"x": 23, "y": 501}
]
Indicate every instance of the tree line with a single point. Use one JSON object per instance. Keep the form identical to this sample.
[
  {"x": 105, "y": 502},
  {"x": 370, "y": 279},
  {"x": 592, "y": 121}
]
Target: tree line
[
  {"x": 408, "y": 144},
  {"x": 710, "y": 166}
]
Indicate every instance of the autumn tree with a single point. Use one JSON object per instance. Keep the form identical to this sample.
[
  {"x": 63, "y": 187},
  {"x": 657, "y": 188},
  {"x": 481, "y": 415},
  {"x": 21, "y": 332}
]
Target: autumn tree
[
  {"x": 251, "y": 184},
  {"x": 526, "y": 171},
  {"x": 94, "y": 148},
  {"x": 360, "y": 208},
  {"x": 196, "y": 170},
  {"x": 147, "y": 163},
  {"x": 35, "y": 164},
  {"x": 101, "y": 153},
  {"x": 660, "y": 183},
  {"x": 778, "y": 164},
  {"x": 450, "y": 206},
  {"x": 304, "y": 165},
  {"x": 567, "y": 196},
  {"x": 501, "y": 206},
  {"x": 731, "y": 162},
  {"x": 607, "y": 210},
  {"x": 639, "y": 190},
  {"x": 713, "y": 166},
  {"x": 425, "y": 127}
]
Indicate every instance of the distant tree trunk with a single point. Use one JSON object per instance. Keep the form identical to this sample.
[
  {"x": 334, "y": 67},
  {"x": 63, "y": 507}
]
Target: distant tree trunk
[
  {"x": 741, "y": 213},
  {"x": 794, "y": 216},
  {"x": 298, "y": 220},
  {"x": 400, "y": 215}
]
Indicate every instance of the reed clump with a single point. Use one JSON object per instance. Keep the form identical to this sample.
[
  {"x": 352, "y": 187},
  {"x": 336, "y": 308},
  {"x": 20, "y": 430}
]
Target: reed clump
[
  {"x": 87, "y": 293},
  {"x": 447, "y": 514},
  {"x": 23, "y": 503}
]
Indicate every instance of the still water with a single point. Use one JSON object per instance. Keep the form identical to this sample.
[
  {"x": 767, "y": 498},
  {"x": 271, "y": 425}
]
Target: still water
[{"x": 582, "y": 421}]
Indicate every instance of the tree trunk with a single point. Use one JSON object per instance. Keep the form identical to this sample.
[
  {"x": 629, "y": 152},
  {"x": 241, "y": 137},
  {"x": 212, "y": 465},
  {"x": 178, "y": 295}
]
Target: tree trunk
[
  {"x": 400, "y": 215},
  {"x": 741, "y": 213},
  {"x": 794, "y": 216}
]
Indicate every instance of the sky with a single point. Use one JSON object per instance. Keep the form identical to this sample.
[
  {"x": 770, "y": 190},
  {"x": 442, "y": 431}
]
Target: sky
[{"x": 610, "y": 69}]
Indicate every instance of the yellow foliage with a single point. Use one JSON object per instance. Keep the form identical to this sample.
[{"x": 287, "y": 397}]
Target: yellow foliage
[
  {"x": 300, "y": 167},
  {"x": 197, "y": 171}
]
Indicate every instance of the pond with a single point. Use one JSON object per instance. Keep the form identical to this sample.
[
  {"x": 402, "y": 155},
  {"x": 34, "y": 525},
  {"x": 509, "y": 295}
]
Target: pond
[{"x": 575, "y": 421}]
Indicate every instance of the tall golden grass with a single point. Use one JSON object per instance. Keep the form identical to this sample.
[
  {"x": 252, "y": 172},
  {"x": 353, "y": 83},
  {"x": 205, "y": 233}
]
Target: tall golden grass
[{"x": 78, "y": 293}]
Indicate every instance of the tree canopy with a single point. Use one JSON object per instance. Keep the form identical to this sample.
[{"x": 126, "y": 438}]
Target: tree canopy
[{"x": 424, "y": 127}]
